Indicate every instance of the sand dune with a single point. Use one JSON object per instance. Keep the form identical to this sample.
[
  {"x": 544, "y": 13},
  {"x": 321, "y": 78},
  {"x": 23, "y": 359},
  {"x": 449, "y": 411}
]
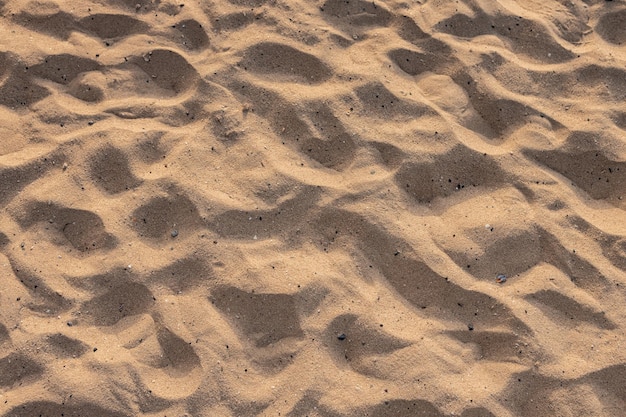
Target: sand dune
[{"x": 300, "y": 208}]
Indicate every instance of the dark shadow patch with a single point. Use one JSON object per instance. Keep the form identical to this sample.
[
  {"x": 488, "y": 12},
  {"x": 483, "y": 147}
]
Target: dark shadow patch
[
  {"x": 239, "y": 224},
  {"x": 111, "y": 26},
  {"x": 178, "y": 356},
  {"x": 611, "y": 379},
  {"x": 4, "y": 240},
  {"x": 613, "y": 246},
  {"x": 283, "y": 117},
  {"x": 523, "y": 34},
  {"x": 512, "y": 254},
  {"x": 167, "y": 69},
  {"x": 183, "y": 274},
  {"x": 18, "y": 90},
  {"x": 356, "y": 12},
  {"x": 161, "y": 216},
  {"x": 404, "y": 408},
  {"x": 193, "y": 34},
  {"x": 391, "y": 156},
  {"x": 612, "y": 27},
  {"x": 596, "y": 82},
  {"x": 63, "y": 68},
  {"x": 248, "y": 3},
  {"x": 567, "y": 311},
  {"x": 529, "y": 393},
  {"x": 51, "y": 409},
  {"x": 379, "y": 102},
  {"x": 599, "y": 176},
  {"x": 101, "y": 283},
  {"x": 136, "y": 6},
  {"x": 4, "y": 334},
  {"x": 409, "y": 30},
  {"x": 284, "y": 60},
  {"x": 336, "y": 148},
  {"x": 151, "y": 150},
  {"x": 340, "y": 40},
  {"x": 65, "y": 347},
  {"x": 610, "y": 79},
  {"x": 351, "y": 341},
  {"x": 59, "y": 25},
  {"x": 455, "y": 171},
  {"x": 122, "y": 300},
  {"x": 7, "y": 61},
  {"x": 233, "y": 21},
  {"x": 83, "y": 229},
  {"x": 18, "y": 368},
  {"x": 477, "y": 412},
  {"x": 413, "y": 62},
  {"x": 111, "y": 171},
  {"x": 500, "y": 115},
  {"x": 264, "y": 319}
]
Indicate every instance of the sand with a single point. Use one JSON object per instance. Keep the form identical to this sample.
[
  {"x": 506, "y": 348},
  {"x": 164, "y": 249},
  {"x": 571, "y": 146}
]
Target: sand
[{"x": 302, "y": 208}]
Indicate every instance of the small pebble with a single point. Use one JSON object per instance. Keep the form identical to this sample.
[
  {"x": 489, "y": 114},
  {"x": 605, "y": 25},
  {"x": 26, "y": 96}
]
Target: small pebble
[
  {"x": 342, "y": 336},
  {"x": 174, "y": 233},
  {"x": 470, "y": 327},
  {"x": 501, "y": 279}
]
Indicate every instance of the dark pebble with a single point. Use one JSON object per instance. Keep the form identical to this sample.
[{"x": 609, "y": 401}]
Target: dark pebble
[
  {"x": 174, "y": 233},
  {"x": 470, "y": 327},
  {"x": 342, "y": 336}
]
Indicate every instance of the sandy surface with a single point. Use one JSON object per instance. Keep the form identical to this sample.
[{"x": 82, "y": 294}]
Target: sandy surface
[{"x": 290, "y": 208}]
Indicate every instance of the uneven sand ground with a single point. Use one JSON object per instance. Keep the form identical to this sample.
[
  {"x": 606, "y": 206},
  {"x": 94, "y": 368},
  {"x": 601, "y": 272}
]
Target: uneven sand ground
[{"x": 290, "y": 208}]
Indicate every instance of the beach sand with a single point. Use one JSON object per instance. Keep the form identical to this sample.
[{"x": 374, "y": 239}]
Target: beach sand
[{"x": 303, "y": 208}]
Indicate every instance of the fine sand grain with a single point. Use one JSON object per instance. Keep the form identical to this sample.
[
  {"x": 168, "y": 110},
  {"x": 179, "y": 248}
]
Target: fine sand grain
[{"x": 312, "y": 208}]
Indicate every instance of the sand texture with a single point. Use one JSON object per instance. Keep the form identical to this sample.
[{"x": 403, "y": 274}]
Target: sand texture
[{"x": 301, "y": 208}]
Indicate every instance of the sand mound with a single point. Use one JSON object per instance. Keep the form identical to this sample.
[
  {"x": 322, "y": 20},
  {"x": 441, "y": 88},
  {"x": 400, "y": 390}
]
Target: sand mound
[{"x": 323, "y": 208}]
